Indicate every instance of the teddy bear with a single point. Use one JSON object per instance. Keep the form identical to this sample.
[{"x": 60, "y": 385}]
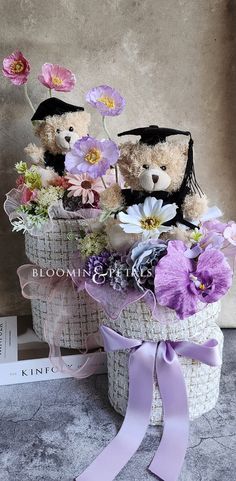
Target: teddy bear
[
  {"x": 58, "y": 125},
  {"x": 159, "y": 167}
]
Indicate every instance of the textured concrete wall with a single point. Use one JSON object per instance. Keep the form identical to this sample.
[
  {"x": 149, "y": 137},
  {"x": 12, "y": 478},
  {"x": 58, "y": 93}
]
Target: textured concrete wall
[{"x": 173, "y": 60}]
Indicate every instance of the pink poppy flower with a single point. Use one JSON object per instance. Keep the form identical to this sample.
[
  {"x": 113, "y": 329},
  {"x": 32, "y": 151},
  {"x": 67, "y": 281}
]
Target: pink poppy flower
[
  {"x": 55, "y": 77},
  {"x": 16, "y": 68},
  {"x": 85, "y": 187},
  {"x": 181, "y": 283}
]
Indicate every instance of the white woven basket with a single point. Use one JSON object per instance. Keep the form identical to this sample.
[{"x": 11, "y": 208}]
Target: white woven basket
[
  {"x": 135, "y": 321},
  {"x": 82, "y": 318},
  {"x": 202, "y": 381},
  {"x": 53, "y": 250}
]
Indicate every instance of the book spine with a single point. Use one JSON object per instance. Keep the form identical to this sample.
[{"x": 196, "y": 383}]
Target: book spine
[
  {"x": 8, "y": 339},
  {"x": 42, "y": 369}
]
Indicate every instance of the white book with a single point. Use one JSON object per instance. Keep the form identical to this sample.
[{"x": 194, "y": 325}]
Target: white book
[{"x": 24, "y": 357}]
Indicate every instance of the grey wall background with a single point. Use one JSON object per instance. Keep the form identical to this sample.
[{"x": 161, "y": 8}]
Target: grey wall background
[{"x": 173, "y": 60}]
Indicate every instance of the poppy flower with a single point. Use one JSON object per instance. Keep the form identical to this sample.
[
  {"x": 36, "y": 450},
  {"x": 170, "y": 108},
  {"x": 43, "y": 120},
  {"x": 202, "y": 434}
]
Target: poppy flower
[
  {"x": 55, "y": 77},
  {"x": 106, "y": 100},
  {"x": 91, "y": 156},
  {"x": 16, "y": 68}
]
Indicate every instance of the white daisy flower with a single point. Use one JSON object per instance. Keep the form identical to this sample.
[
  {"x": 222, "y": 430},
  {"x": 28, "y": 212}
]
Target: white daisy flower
[{"x": 147, "y": 218}]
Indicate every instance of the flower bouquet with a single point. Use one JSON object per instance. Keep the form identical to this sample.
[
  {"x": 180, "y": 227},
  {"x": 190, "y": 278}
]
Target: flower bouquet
[
  {"x": 162, "y": 300},
  {"x": 53, "y": 201}
]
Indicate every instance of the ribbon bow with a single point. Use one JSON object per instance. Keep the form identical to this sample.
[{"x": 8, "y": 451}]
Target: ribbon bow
[{"x": 147, "y": 359}]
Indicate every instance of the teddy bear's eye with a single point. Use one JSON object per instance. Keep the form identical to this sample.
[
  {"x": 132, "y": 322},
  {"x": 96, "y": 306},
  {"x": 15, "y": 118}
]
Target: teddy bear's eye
[
  {"x": 58, "y": 131},
  {"x": 71, "y": 129},
  {"x": 163, "y": 167},
  {"x": 146, "y": 166}
]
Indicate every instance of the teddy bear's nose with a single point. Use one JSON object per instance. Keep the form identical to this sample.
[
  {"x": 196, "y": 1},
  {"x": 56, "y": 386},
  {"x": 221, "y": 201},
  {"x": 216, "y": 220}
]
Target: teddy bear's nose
[
  {"x": 155, "y": 178},
  {"x": 67, "y": 138}
]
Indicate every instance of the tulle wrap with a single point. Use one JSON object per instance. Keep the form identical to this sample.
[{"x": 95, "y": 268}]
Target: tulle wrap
[
  {"x": 113, "y": 301},
  {"x": 55, "y": 211},
  {"x": 35, "y": 284}
]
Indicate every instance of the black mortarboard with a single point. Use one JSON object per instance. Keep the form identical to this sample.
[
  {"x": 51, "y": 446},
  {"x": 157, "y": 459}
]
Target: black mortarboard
[
  {"x": 153, "y": 134},
  {"x": 54, "y": 106}
]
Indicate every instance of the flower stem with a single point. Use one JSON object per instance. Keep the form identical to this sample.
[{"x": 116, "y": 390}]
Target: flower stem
[
  {"x": 109, "y": 137},
  {"x": 27, "y": 97},
  {"x": 103, "y": 181},
  {"x": 105, "y": 127},
  {"x": 50, "y": 93}
]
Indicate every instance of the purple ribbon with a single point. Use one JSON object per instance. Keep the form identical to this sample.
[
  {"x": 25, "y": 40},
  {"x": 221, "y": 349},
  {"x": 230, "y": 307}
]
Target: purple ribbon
[{"x": 147, "y": 359}]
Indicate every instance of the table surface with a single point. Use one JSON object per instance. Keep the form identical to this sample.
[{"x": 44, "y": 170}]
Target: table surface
[{"x": 52, "y": 430}]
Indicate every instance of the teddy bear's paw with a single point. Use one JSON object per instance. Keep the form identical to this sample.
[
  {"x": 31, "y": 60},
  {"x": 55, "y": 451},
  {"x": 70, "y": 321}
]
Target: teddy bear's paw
[
  {"x": 35, "y": 153},
  {"x": 111, "y": 199},
  {"x": 195, "y": 206}
]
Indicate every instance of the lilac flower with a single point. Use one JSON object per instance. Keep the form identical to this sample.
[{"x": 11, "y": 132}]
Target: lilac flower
[
  {"x": 143, "y": 259},
  {"x": 91, "y": 156},
  {"x": 106, "y": 100},
  {"x": 180, "y": 283}
]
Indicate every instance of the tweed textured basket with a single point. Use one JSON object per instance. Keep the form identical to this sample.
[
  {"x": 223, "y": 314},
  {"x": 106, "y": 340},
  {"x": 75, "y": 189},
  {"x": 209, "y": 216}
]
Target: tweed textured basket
[
  {"x": 53, "y": 250},
  {"x": 135, "y": 321},
  {"x": 83, "y": 317},
  {"x": 202, "y": 381}
]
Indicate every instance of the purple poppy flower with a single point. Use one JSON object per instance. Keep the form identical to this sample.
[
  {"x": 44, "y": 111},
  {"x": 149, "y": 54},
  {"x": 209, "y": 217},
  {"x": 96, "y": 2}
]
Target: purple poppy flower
[
  {"x": 181, "y": 283},
  {"x": 91, "y": 156},
  {"x": 106, "y": 100}
]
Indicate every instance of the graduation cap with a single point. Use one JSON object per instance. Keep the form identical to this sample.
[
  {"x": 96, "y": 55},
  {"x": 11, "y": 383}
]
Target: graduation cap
[
  {"x": 54, "y": 106},
  {"x": 153, "y": 134}
]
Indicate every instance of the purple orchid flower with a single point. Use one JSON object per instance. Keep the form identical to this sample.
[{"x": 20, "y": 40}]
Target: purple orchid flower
[
  {"x": 106, "y": 100},
  {"x": 181, "y": 283},
  {"x": 91, "y": 156}
]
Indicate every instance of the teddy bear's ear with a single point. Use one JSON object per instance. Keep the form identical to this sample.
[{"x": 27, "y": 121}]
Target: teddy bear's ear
[
  {"x": 126, "y": 151},
  {"x": 38, "y": 126}
]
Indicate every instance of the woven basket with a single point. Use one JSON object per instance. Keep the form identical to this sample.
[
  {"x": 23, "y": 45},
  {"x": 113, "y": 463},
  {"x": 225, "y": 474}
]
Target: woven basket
[
  {"x": 202, "y": 381},
  {"x": 83, "y": 318},
  {"x": 135, "y": 321},
  {"x": 53, "y": 250}
]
